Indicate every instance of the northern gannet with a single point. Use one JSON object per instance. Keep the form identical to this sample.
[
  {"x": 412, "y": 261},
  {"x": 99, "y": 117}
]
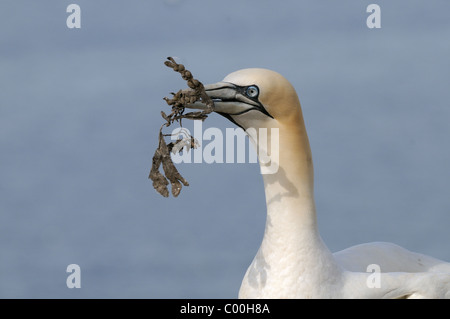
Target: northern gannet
[{"x": 293, "y": 261}]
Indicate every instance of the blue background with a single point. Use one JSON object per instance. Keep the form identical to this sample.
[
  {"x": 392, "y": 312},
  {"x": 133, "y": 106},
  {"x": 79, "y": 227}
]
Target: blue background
[{"x": 79, "y": 115}]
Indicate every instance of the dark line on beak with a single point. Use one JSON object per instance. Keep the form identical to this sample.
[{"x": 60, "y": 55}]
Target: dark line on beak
[{"x": 228, "y": 116}]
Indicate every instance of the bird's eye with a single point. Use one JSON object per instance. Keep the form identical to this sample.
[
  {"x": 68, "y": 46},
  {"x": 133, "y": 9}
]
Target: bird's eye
[{"x": 252, "y": 91}]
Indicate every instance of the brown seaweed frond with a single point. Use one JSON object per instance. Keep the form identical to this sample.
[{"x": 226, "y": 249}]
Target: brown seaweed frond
[{"x": 179, "y": 100}]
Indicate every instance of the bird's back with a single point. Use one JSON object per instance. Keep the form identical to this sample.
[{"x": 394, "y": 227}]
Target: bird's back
[{"x": 389, "y": 257}]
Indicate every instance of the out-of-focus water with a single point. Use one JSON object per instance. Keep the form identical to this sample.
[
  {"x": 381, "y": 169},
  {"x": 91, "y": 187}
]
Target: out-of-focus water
[{"x": 79, "y": 116}]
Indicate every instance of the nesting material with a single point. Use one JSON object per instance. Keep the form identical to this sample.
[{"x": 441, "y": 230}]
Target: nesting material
[{"x": 178, "y": 102}]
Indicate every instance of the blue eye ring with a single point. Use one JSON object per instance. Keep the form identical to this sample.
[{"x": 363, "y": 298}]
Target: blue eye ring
[{"x": 252, "y": 91}]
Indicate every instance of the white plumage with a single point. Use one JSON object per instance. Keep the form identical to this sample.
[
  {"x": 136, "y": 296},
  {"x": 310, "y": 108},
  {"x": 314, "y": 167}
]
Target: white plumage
[{"x": 293, "y": 261}]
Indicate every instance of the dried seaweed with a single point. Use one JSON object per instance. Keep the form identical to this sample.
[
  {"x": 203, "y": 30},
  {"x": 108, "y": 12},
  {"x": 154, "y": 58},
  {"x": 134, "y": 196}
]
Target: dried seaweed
[{"x": 179, "y": 100}]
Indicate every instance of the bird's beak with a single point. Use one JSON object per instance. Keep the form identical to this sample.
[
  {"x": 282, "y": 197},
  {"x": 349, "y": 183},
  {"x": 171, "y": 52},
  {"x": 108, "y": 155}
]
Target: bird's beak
[{"x": 229, "y": 99}]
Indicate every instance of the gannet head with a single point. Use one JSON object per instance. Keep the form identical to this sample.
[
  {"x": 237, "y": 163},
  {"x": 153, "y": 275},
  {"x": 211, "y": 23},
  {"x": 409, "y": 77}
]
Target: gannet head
[
  {"x": 260, "y": 99},
  {"x": 255, "y": 98}
]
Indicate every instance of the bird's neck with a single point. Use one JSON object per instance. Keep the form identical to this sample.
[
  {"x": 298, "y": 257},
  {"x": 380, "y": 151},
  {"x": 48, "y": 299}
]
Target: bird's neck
[
  {"x": 291, "y": 212},
  {"x": 292, "y": 244}
]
